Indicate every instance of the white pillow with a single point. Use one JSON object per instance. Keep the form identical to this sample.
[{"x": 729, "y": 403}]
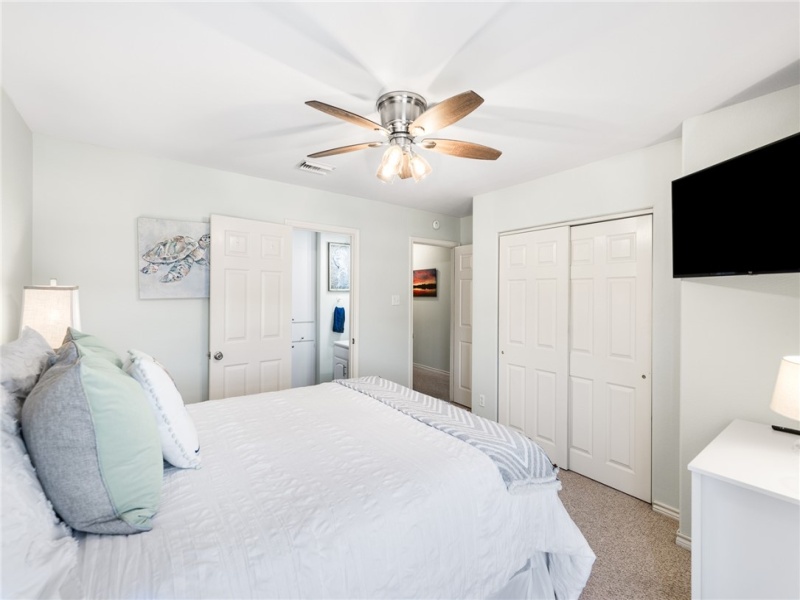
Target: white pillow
[
  {"x": 179, "y": 442},
  {"x": 23, "y": 361},
  {"x": 39, "y": 554}
]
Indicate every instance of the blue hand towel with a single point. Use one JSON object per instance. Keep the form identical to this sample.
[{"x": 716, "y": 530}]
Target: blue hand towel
[{"x": 338, "y": 319}]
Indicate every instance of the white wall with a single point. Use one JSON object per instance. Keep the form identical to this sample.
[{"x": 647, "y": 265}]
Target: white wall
[
  {"x": 466, "y": 230},
  {"x": 636, "y": 181},
  {"x": 432, "y": 315},
  {"x": 734, "y": 330},
  {"x": 17, "y": 190},
  {"x": 751, "y": 320},
  {"x": 86, "y": 200}
]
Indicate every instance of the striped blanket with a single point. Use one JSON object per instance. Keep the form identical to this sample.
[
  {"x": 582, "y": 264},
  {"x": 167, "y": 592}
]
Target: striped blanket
[{"x": 521, "y": 462}]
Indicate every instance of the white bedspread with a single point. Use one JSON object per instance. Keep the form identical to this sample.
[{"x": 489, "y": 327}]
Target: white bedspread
[{"x": 323, "y": 492}]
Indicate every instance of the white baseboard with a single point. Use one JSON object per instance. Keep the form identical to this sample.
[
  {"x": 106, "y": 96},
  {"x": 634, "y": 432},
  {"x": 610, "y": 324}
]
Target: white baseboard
[
  {"x": 667, "y": 511},
  {"x": 684, "y": 541},
  {"x": 431, "y": 369}
]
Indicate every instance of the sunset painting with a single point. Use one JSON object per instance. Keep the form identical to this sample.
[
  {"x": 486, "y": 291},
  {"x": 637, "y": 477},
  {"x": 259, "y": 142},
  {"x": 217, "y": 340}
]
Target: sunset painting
[{"x": 425, "y": 283}]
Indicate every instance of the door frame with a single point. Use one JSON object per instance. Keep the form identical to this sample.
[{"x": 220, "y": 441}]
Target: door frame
[
  {"x": 586, "y": 221},
  {"x": 352, "y": 365},
  {"x": 410, "y": 291}
]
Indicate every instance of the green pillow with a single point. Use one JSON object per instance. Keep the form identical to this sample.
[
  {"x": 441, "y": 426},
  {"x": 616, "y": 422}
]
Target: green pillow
[
  {"x": 94, "y": 443},
  {"x": 89, "y": 344}
]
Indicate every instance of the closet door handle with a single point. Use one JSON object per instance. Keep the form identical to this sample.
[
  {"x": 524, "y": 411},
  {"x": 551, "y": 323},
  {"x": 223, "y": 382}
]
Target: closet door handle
[{"x": 218, "y": 356}]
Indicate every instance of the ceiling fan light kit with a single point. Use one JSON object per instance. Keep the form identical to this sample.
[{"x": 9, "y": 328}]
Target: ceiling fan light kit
[
  {"x": 404, "y": 117},
  {"x": 399, "y": 159}
]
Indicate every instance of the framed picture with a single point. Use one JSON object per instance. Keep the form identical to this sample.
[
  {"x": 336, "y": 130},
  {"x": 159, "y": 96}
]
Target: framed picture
[
  {"x": 425, "y": 283},
  {"x": 338, "y": 267},
  {"x": 173, "y": 258}
]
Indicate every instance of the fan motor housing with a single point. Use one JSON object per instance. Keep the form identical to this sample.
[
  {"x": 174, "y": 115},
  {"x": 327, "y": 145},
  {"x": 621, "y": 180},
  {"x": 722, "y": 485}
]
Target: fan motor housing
[{"x": 399, "y": 109}]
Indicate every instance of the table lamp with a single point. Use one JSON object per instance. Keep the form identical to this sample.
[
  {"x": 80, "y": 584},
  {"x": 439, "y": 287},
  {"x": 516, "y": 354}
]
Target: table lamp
[
  {"x": 786, "y": 396},
  {"x": 50, "y": 309}
]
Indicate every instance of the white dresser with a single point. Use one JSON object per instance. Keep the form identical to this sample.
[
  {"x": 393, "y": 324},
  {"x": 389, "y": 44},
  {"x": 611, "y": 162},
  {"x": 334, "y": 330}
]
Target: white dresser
[{"x": 746, "y": 515}]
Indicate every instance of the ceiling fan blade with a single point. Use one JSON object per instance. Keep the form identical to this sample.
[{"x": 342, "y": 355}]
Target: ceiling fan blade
[
  {"x": 445, "y": 113},
  {"x": 346, "y": 115},
  {"x": 345, "y": 149},
  {"x": 462, "y": 149}
]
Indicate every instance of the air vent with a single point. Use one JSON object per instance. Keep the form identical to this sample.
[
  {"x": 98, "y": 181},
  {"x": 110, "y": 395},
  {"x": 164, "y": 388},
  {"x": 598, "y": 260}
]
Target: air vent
[{"x": 316, "y": 168}]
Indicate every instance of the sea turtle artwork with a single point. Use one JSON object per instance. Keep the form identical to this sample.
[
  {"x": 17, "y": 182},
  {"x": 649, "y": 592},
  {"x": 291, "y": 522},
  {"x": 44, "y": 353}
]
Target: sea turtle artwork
[{"x": 179, "y": 253}]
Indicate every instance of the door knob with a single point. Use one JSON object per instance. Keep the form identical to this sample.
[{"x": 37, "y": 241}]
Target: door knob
[{"x": 218, "y": 356}]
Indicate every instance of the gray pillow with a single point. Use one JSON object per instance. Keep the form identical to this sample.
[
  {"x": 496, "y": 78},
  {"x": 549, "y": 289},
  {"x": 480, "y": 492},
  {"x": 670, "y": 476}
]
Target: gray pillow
[
  {"x": 94, "y": 443},
  {"x": 22, "y": 362},
  {"x": 38, "y": 551}
]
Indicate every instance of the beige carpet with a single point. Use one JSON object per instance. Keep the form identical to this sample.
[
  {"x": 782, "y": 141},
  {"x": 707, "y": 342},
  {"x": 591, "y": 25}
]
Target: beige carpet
[
  {"x": 432, "y": 383},
  {"x": 635, "y": 546}
]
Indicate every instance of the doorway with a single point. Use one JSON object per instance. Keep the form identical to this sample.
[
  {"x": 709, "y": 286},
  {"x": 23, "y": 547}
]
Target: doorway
[
  {"x": 321, "y": 265},
  {"x": 324, "y": 307},
  {"x": 251, "y": 305},
  {"x": 431, "y": 320}
]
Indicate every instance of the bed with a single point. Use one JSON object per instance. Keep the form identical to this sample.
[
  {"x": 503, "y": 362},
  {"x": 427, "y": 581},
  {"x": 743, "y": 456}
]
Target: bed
[{"x": 332, "y": 491}]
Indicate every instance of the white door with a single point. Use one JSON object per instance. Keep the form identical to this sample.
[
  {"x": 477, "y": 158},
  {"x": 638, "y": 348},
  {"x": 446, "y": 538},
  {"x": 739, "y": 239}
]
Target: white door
[
  {"x": 462, "y": 327},
  {"x": 533, "y": 337},
  {"x": 610, "y": 353},
  {"x": 249, "y": 307}
]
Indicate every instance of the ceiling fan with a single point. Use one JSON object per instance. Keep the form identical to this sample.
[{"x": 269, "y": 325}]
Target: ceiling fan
[{"x": 405, "y": 116}]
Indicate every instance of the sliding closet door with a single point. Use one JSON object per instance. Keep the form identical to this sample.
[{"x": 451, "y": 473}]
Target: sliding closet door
[
  {"x": 249, "y": 307},
  {"x": 610, "y": 353},
  {"x": 533, "y": 337}
]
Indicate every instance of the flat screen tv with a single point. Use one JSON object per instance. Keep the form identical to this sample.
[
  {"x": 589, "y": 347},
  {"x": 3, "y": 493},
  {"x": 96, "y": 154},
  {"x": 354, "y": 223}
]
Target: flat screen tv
[{"x": 739, "y": 216}]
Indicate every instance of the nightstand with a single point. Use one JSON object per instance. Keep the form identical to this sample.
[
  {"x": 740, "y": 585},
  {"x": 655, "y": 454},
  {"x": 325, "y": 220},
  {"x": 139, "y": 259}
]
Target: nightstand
[{"x": 746, "y": 515}]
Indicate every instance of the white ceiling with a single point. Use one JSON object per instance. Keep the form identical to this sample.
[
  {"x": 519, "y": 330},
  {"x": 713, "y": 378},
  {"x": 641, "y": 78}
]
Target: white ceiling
[{"x": 224, "y": 84}]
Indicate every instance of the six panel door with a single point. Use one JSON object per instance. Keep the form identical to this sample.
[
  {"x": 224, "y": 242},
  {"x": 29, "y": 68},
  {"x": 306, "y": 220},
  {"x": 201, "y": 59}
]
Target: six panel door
[
  {"x": 533, "y": 344},
  {"x": 574, "y": 341},
  {"x": 249, "y": 307},
  {"x": 610, "y": 353}
]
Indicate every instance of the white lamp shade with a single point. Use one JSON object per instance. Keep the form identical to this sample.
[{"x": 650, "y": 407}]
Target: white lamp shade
[
  {"x": 50, "y": 310},
  {"x": 786, "y": 397}
]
